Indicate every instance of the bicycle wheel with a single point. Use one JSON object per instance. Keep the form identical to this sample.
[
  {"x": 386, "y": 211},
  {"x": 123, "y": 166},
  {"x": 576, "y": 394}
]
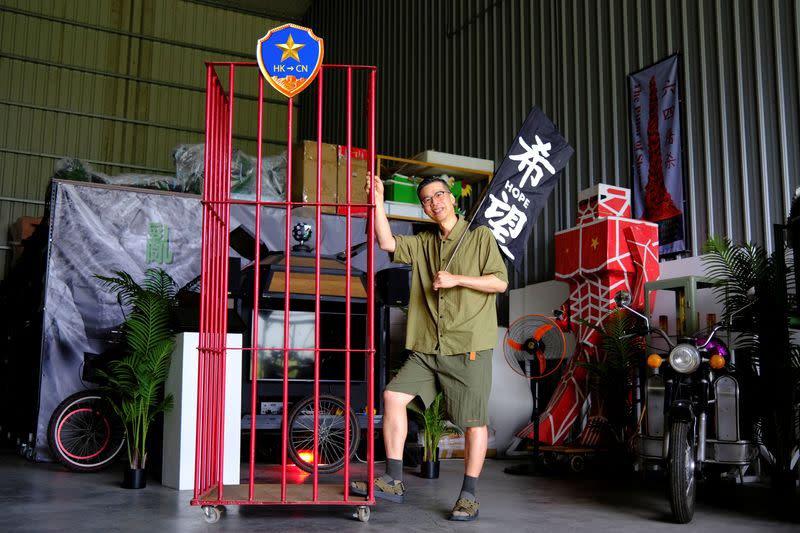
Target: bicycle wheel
[
  {"x": 331, "y": 431},
  {"x": 84, "y": 433}
]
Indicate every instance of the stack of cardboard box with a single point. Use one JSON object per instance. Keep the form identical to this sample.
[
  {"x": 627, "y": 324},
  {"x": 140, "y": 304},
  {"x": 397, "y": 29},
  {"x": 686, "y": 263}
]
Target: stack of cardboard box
[{"x": 334, "y": 176}]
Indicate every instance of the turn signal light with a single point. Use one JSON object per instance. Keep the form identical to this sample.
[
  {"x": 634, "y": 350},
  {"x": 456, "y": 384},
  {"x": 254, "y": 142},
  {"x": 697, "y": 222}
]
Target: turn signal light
[
  {"x": 654, "y": 360},
  {"x": 716, "y": 361}
]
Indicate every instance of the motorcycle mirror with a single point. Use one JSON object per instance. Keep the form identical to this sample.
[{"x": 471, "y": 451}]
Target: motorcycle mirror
[
  {"x": 751, "y": 300},
  {"x": 622, "y": 299}
]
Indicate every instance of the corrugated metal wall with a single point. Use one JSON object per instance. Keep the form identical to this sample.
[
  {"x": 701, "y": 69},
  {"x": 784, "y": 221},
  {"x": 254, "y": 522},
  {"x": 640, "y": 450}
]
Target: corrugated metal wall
[
  {"x": 118, "y": 83},
  {"x": 460, "y": 75}
]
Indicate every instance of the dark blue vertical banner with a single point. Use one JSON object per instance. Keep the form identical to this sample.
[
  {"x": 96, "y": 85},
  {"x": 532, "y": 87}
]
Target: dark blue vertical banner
[{"x": 656, "y": 135}]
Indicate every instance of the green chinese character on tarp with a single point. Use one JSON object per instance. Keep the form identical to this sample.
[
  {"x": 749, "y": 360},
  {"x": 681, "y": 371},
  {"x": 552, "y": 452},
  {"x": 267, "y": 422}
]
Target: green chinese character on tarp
[{"x": 158, "y": 244}]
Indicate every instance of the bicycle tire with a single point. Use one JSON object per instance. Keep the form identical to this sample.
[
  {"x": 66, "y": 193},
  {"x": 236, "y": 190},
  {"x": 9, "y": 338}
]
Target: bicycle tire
[
  {"x": 84, "y": 433},
  {"x": 330, "y": 431}
]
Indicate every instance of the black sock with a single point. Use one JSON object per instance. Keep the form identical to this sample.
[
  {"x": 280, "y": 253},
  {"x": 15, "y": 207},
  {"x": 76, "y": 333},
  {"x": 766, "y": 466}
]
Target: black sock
[
  {"x": 469, "y": 488},
  {"x": 394, "y": 470}
]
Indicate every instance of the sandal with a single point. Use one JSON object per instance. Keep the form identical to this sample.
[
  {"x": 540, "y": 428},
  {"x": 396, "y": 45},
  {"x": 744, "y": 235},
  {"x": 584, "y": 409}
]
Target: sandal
[
  {"x": 464, "y": 510},
  {"x": 393, "y": 492}
]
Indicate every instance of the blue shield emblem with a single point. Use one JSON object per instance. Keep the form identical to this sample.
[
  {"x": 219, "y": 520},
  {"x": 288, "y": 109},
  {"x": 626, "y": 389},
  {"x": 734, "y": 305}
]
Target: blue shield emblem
[{"x": 289, "y": 57}]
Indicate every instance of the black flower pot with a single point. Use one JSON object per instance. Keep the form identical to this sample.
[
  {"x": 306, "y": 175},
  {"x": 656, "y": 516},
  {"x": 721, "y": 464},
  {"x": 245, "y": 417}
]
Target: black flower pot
[
  {"x": 429, "y": 469},
  {"x": 134, "y": 478}
]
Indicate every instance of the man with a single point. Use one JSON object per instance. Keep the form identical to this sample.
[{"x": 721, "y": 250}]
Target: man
[{"x": 452, "y": 330}]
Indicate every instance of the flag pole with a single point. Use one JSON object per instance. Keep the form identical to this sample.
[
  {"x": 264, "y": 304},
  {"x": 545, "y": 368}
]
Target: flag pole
[{"x": 469, "y": 223}]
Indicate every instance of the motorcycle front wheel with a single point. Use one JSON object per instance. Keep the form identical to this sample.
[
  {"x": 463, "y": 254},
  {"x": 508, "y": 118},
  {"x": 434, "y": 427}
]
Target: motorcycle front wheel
[{"x": 681, "y": 472}]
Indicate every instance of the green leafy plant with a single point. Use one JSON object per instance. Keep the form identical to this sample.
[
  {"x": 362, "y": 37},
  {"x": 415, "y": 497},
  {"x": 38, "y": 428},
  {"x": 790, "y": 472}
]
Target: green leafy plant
[
  {"x": 612, "y": 378},
  {"x": 433, "y": 421},
  {"x": 736, "y": 271},
  {"x": 751, "y": 286},
  {"x": 136, "y": 381}
]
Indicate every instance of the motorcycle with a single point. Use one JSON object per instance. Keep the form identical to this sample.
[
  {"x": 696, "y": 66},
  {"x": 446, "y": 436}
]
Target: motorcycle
[{"x": 691, "y": 413}]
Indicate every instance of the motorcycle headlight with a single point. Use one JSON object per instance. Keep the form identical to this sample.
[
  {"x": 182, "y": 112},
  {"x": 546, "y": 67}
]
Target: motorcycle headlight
[{"x": 684, "y": 358}]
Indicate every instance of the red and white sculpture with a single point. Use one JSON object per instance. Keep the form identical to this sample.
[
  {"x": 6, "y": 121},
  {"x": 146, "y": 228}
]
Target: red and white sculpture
[{"x": 606, "y": 252}]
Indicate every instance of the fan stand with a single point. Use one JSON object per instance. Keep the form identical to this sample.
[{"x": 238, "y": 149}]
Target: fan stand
[{"x": 530, "y": 468}]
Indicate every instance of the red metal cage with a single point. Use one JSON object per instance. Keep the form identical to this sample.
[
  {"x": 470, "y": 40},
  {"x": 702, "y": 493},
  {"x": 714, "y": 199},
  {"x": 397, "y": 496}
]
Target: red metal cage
[{"x": 209, "y": 490}]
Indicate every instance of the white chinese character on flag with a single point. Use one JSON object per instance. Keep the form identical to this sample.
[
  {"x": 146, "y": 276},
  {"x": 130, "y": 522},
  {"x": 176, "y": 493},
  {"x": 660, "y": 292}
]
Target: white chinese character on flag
[
  {"x": 505, "y": 220},
  {"x": 533, "y": 156}
]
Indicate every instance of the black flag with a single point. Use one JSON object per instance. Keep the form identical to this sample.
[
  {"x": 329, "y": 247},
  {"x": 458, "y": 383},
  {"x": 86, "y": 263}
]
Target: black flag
[{"x": 523, "y": 182}]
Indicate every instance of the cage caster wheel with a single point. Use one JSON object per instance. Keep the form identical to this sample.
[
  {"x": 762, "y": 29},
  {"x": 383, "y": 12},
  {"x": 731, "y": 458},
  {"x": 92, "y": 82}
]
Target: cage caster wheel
[
  {"x": 212, "y": 514},
  {"x": 362, "y": 513},
  {"x": 577, "y": 464}
]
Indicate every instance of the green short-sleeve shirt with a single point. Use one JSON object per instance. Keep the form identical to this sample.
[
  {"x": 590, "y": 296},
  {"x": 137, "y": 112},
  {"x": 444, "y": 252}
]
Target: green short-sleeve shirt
[{"x": 455, "y": 320}]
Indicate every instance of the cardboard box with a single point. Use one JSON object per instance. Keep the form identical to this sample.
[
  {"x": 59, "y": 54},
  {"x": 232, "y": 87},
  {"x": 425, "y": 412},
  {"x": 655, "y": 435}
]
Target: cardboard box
[
  {"x": 304, "y": 174},
  {"x": 23, "y": 228},
  {"x": 358, "y": 169},
  {"x": 20, "y": 230}
]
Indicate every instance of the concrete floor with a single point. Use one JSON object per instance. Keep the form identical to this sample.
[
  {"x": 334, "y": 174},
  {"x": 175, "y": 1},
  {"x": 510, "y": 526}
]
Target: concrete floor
[{"x": 40, "y": 497}]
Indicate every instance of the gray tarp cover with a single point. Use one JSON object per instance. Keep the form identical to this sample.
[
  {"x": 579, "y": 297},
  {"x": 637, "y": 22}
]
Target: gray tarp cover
[{"x": 99, "y": 229}]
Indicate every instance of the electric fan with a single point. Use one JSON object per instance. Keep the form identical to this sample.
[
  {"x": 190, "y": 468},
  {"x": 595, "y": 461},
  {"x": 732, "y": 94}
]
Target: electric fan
[{"x": 534, "y": 346}]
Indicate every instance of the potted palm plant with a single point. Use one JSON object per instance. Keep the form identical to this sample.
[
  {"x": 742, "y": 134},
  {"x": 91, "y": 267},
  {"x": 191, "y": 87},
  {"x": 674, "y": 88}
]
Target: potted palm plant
[
  {"x": 751, "y": 285},
  {"x": 433, "y": 421},
  {"x": 136, "y": 381}
]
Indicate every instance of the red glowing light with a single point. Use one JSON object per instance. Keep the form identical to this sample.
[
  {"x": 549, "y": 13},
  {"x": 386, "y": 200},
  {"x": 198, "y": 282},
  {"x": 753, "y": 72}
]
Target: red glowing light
[{"x": 307, "y": 456}]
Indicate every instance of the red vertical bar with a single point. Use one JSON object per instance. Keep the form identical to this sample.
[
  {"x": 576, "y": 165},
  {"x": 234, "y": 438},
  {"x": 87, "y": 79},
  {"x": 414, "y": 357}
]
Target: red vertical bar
[
  {"x": 214, "y": 366},
  {"x": 256, "y": 295},
  {"x": 212, "y": 412},
  {"x": 371, "y": 288},
  {"x": 317, "y": 314},
  {"x": 218, "y": 414},
  {"x": 347, "y": 298},
  {"x": 209, "y": 383},
  {"x": 286, "y": 295},
  {"x": 223, "y": 289},
  {"x": 207, "y": 287},
  {"x": 203, "y": 303}
]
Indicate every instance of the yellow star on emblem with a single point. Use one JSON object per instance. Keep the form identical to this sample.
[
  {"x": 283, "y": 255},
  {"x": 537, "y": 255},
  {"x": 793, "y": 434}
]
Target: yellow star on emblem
[
  {"x": 290, "y": 49},
  {"x": 595, "y": 243}
]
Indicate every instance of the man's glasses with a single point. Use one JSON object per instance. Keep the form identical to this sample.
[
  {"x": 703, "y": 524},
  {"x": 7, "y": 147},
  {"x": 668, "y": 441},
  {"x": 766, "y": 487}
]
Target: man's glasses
[{"x": 428, "y": 200}]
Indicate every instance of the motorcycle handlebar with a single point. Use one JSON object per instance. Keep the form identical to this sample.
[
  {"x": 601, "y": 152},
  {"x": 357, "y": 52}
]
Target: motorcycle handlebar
[
  {"x": 644, "y": 331},
  {"x": 714, "y": 331},
  {"x": 650, "y": 329},
  {"x": 663, "y": 335},
  {"x": 641, "y": 332}
]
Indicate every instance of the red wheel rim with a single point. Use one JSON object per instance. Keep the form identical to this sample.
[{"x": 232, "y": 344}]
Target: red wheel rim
[{"x": 82, "y": 457}]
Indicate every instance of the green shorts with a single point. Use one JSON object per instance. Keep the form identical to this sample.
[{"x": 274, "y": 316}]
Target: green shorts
[{"x": 465, "y": 382}]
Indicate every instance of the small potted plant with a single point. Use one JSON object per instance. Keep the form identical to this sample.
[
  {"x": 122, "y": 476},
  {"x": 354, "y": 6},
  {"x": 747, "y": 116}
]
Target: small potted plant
[
  {"x": 136, "y": 380},
  {"x": 433, "y": 421}
]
